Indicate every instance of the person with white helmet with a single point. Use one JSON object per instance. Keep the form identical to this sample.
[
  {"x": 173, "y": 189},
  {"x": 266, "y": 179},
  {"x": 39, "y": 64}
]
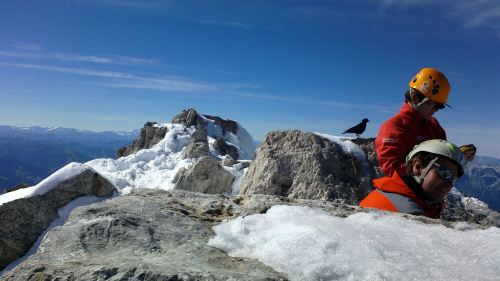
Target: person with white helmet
[
  {"x": 415, "y": 122},
  {"x": 432, "y": 168}
]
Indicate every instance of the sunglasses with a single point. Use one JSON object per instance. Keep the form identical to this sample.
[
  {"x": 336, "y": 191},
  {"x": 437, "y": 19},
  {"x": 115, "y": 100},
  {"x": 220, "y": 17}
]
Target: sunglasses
[
  {"x": 445, "y": 173},
  {"x": 435, "y": 104}
]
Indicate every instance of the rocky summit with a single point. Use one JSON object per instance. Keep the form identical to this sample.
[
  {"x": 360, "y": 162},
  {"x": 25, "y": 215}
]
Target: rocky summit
[{"x": 162, "y": 234}]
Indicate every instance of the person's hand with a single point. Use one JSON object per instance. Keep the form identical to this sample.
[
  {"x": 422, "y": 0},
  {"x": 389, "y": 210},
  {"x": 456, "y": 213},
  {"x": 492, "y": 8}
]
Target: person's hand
[{"x": 469, "y": 152}]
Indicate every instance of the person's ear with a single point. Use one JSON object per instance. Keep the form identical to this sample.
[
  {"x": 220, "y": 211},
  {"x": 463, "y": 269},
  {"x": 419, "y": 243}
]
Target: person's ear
[
  {"x": 414, "y": 99},
  {"x": 417, "y": 167}
]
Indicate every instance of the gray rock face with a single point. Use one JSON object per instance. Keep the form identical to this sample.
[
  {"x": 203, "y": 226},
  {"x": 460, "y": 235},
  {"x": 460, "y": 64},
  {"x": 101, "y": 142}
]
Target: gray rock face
[
  {"x": 188, "y": 118},
  {"x": 198, "y": 147},
  {"x": 206, "y": 175},
  {"x": 368, "y": 147},
  {"x": 226, "y": 124},
  {"x": 473, "y": 211},
  {"x": 24, "y": 220},
  {"x": 147, "y": 235},
  {"x": 148, "y": 137},
  {"x": 158, "y": 235},
  {"x": 304, "y": 165},
  {"x": 225, "y": 149}
]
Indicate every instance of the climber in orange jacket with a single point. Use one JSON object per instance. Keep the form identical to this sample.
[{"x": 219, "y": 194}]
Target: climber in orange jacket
[
  {"x": 414, "y": 123},
  {"x": 432, "y": 168}
]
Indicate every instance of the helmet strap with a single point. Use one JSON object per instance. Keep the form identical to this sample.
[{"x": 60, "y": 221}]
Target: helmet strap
[
  {"x": 416, "y": 106},
  {"x": 420, "y": 179}
]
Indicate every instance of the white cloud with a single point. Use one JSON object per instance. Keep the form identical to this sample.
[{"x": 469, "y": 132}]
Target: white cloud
[
  {"x": 372, "y": 107},
  {"x": 71, "y": 57},
  {"x": 229, "y": 23},
  {"x": 472, "y": 14},
  {"x": 168, "y": 83},
  {"x": 25, "y": 45},
  {"x": 482, "y": 13}
]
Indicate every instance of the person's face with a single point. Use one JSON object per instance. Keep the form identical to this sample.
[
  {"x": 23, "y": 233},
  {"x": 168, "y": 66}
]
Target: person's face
[
  {"x": 427, "y": 109},
  {"x": 435, "y": 186}
]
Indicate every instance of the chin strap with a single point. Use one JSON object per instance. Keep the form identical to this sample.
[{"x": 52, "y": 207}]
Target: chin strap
[
  {"x": 420, "y": 179},
  {"x": 416, "y": 106}
]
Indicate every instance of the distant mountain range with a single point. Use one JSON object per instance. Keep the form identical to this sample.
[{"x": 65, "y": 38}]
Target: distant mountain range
[
  {"x": 31, "y": 154},
  {"x": 89, "y": 138},
  {"x": 482, "y": 180}
]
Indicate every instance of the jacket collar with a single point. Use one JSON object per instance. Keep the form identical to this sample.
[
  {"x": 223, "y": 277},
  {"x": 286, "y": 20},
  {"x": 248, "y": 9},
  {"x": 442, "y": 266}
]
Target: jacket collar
[
  {"x": 407, "y": 186},
  {"x": 408, "y": 110}
]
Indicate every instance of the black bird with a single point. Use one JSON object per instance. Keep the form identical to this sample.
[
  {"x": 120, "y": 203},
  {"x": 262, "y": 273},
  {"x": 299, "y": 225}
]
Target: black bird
[{"x": 358, "y": 129}]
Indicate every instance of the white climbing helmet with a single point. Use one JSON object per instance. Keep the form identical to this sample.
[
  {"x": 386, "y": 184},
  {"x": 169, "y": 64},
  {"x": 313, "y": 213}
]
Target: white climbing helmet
[{"x": 441, "y": 148}]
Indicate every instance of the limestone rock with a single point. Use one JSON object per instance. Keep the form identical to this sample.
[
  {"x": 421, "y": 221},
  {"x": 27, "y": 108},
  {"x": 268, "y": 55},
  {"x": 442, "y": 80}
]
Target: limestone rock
[
  {"x": 226, "y": 124},
  {"x": 24, "y": 220},
  {"x": 189, "y": 118},
  {"x": 228, "y": 162},
  {"x": 198, "y": 146},
  {"x": 205, "y": 176},
  {"x": 86, "y": 183},
  {"x": 147, "y": 235},
  {"x": 149, "y": 135},
  {"x": 225, "y": 149},
  {"x": 368, "y": 146},
  {"x": 304, "y": 165},
  {"x": 460, "y": 207},
  {"x": 158, "y": 136}
]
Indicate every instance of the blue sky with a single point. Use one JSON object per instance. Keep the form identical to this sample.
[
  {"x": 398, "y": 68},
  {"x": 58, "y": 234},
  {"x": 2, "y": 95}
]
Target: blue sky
[{"x": 319, "y": 66}]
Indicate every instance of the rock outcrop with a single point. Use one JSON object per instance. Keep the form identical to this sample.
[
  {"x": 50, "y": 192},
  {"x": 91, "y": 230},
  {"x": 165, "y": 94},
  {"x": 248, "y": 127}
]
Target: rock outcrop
[
  {"x": 225, "y": 149},
  {"x": 226, "y": 124},
  {"x": 24, "y": 220},
  {"x": 198, "y": 147},
  {"x": 189, "y": 118},
  {"x": 149, "y": 135},
  {"x": 157, "y": 235},
  {"x": 152, "y": 134},
  {"x": 460, "y": 207},
  {"x": 147, "y": 235},
  {"x": 205, "y": 175},
  {"x": 368, "y": 147},
  {"x": 305, "y": 165}
]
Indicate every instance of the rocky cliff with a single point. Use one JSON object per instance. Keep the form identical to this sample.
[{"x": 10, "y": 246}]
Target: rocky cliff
[
  {"x": 25, "y": 219},
  {"x": 311, "y": 167},
  {"x": 155, "y": 234}
]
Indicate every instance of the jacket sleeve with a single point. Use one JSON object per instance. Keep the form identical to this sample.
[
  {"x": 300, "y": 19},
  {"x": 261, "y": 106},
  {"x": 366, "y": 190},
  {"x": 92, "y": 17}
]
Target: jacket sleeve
[{"x": 392, "y": 148}]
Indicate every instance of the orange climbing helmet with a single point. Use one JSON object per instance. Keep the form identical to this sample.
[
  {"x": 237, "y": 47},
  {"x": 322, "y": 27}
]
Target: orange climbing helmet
[{"x": 433, "y": 84}]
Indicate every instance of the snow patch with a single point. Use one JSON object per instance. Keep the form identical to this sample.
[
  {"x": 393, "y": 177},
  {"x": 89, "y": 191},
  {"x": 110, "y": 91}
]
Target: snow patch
[
  {"x": 310, "y": 244},
  {"x": 71, "y": 170}
]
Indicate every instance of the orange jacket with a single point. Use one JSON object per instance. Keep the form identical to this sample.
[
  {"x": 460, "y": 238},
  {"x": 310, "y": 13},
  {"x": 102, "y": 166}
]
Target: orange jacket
[
  {"x": 399, "y": 135},
  {"x": 395, "y": 194}
]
